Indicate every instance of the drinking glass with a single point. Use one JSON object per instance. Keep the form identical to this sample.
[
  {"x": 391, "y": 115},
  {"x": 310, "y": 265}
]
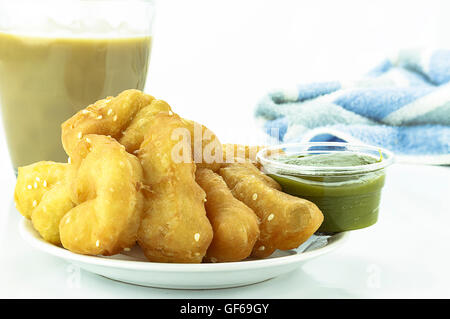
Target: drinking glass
[{"x": 57, "y": 57}]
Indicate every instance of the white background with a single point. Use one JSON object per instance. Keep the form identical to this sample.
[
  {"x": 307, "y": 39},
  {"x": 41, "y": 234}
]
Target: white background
[{"x": 212, "y": 61}]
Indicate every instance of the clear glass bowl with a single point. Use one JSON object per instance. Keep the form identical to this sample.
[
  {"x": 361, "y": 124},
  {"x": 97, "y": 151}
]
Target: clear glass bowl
[{"x": 349, "y": 196}]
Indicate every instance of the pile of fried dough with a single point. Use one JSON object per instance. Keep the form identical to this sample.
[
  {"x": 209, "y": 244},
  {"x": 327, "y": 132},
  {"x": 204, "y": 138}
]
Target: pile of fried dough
[{"x": 135, "y": 175}]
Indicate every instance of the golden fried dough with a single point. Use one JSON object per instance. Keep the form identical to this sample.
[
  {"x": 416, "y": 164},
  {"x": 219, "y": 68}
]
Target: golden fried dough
[
  {"x": 134, "y": 134},
  {"x": 244, "y": 153},
  {"x": 109, "y": 116},
  {"x": 235, "y": 225},
  {"x": 286, "y": 221},
  {"x": 206, "y": 147},
  {"x": 106, "y": 189},
  {"x": 170, "y": 198},
  {"x": 237, "y": 151},
  {"x": 42, "y": 195},
  {"x": 127, "y": 118},
  {"x": 246, "y": 168},
  {"x": 174, "y": 227}
]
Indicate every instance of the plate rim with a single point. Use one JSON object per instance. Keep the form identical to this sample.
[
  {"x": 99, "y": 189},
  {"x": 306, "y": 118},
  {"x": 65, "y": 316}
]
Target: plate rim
[{"x": 28, "y": 233}]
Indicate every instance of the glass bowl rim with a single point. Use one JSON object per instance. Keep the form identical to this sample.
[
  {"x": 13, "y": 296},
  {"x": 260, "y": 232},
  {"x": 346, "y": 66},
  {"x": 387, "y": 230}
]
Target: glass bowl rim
[{"x": 387, "y": 159}]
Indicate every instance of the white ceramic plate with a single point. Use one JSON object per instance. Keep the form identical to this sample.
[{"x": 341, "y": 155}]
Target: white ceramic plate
[{"x": 132, "y": 267}]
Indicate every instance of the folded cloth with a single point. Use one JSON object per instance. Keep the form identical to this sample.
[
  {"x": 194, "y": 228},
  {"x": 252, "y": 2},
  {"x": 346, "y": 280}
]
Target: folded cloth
[{"x": 402, "y": 105}]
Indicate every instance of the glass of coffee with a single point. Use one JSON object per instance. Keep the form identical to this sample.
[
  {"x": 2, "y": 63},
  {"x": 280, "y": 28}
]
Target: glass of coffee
[{"x": 57, "y": 57}]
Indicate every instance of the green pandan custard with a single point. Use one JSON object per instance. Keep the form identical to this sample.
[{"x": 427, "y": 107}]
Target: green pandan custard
[{"x": 348, "y": 200}]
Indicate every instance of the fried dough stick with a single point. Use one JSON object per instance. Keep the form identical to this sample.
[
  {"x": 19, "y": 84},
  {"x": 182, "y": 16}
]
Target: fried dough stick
[
  {"x": 205, "y": 145},
  {"x": 134, "y": 134},
  {"x": 108, "y": 116},
  {"x": 109, "y": 204},
  {"x": 235, "y": 225},
  {"x": 286, "y": 221},
  {"x": 127, "y": 118},
  {"x": 42, "y": 194},
  {"x": 174, "y": 227},
  {"x": 244, "y": 153},
  {"x": 231, "y": 152},
  {"x": 245, "y": 167}
]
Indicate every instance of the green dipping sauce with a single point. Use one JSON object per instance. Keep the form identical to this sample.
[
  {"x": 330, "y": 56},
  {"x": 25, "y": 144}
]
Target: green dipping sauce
[{"x": 348, "y": 200}]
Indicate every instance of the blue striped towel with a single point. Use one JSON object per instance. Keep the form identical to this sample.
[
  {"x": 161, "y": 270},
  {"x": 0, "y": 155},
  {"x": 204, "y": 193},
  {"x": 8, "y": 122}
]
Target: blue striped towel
[{"x": 402, "y": 105}]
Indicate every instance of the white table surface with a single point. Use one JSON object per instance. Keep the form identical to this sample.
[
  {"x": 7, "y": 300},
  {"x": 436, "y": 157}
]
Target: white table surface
[{"x": 213, "y": 69}]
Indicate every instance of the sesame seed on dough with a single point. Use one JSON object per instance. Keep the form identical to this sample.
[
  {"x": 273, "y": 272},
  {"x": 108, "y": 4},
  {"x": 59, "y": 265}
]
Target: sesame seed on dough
[
  {"x": 115, "y": 118},
  {"x": 255, "y": 196},
  {"x": 88, "y": 140},
  {"x": 85, "y": 112},
  {"x": 34, "y": 203},
  {"x": 270, "y": 217},
  {"x": 80, "y": 135},
  {"x": 197, "y": 237},
  {"x": 261, "y": 248},
  {"x": 29, "y": 187},
  {"x": 97, "y": 243},
  {"x": 69, "y": 160},
  {"x": 44, "y": 184},
  {"x": 126, "y": 249},
  {"x": 38, "y": 179},
  {"x": 213, "y": 260},
  {"x": 109, "y": 112},
  {"x": 99, "y": 117},
  {"x": 35, "y": 185}
]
